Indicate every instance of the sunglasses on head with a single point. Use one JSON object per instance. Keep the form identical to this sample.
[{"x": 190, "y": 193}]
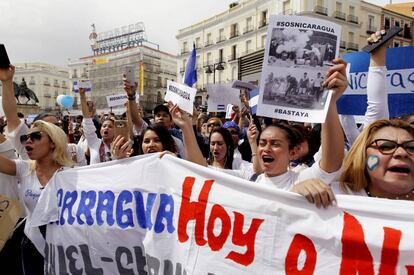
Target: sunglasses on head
[
  {"x": 33, "y": 137},
  {"x": 388, "y": 147}
]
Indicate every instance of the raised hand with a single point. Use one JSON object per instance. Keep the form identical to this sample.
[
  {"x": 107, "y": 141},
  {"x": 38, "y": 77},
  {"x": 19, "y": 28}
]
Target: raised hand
[
  {"x": 336, "y": 78},
  {"x": 121, "y": 148},
  {"x": 129, "y": 88},
  {"x": 179, "y": 117},
  {"x": 6, "y": 74}
]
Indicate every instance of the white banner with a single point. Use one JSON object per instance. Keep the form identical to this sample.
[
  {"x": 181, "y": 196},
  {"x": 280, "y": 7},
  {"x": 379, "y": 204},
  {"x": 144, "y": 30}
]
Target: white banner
[
  {"x": 169, "y": 216},
  {"x": 219, "y": 95},
  {"x": 181, "y": 94}
]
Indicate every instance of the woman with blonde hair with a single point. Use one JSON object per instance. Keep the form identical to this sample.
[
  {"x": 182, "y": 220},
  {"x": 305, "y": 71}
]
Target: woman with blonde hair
[
  {"x": 46, "y": 146},
  {"x": 381, "y": 162}
]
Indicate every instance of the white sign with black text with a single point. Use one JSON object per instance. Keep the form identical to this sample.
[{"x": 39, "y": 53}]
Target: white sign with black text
[
  {"x": 219, "y": 95},
  {"x": 181, "y": 94},
  {"x": 118, "y": 99},
  {"x": 299, "y": 52}
]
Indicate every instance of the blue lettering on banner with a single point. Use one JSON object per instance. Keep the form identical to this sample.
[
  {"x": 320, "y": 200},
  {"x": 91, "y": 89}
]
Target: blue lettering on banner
[
  {"x": 400, "y": 79},
  {"x": 126, "y": 209}
]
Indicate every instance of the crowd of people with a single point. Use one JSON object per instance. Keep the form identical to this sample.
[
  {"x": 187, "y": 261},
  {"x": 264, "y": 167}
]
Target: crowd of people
[{"x": 375, "y": 159}]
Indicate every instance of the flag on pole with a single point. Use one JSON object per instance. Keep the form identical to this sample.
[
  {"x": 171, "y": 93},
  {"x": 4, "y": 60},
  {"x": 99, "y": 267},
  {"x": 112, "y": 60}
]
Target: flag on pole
[
  {"x": 253, "y": 100},
  {"x": 190, "y": 75}
]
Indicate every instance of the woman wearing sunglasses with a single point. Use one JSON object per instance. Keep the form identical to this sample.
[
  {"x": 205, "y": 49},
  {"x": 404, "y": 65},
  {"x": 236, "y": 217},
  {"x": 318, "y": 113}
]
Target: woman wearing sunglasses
[
  {"x": 381, "y": 162},
  {"x": 46, "y": 146}
]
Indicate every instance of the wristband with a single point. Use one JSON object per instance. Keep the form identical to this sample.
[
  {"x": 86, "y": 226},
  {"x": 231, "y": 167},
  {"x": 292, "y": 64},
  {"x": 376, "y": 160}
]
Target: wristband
[{"x": 131, "y": 97}]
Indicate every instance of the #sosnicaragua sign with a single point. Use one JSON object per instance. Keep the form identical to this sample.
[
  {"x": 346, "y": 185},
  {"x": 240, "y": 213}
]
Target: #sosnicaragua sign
[{"x": 147, "y": 215}]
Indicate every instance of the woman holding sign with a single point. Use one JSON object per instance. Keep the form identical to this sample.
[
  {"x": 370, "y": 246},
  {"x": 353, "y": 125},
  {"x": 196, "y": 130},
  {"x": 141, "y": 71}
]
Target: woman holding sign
[{"x": 277, "y": 143}]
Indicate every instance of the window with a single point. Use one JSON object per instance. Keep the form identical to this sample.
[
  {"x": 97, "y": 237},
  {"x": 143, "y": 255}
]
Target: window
[
  {"x": 397, "y": 23},
  {"x": 263, "y": 41},
  {"x": 234, "y": 30},
  {"x": 371, "y": 20},
  {"x": 351, "y": 10},
  {"x": 209, "y": 61},
  {"x": 263, "y": 19},
  {"x": 387, "y": 23},
  {"x": 351, "y": 37},
  {"x": 338, "y": 6},
  {"x": 185, "y": 47},
  {"x": 208, "y": 39},
  {"x": 396, "y": 44},
  {"x": 233, "y": 52},
  {"x": 197, "y": 43},
  {"x": 220, "y": 55},
  {"x": 286, "y": 7},
  {"x": 248, "y": 46},
  {"x": 249, "y": 25},
  {"x": 320, "y": 3}
]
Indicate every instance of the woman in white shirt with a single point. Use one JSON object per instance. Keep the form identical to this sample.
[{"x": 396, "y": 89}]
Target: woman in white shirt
[
  {"x": 46, "y": 146},
  {"x": 277, "y": 143}
]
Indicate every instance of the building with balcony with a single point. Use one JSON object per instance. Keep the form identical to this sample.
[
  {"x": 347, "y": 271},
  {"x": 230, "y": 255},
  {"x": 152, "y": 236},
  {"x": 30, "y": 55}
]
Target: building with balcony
[
  {"x": 241, "y": 30},
  {"x": 106, "y": 67},
  {"x": 47, "y": 81},
  {"x": 401, "y": 15}
]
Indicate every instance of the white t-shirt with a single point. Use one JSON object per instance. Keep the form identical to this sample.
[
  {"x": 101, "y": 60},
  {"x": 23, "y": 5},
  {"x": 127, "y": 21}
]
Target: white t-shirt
[
  {"x": 241, "y": 168},
  {"x": 8, "y": 184},
  {"x": 30, "y": 189},
  {"x": 94, "y": 143},
  {"x": 290, "y": 178},
  {"x": 74, "y": 152}
]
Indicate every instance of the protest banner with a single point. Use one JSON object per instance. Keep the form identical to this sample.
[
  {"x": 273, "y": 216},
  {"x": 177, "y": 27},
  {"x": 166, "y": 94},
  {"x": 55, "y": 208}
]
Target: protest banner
[
  {"x": 181, "y": 94},
  {"x": 400, "y": 82},
  {"x": 170, "y": 216},
  {"x": 298, "y": 53},
  {"x": 118, "y": 99},
  {"x": 82, "y": 83},
  {"x": 219, "y": 95}
]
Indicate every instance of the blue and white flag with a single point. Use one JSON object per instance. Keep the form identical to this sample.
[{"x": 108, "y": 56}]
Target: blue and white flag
[
  {"x": 86, "y": 84},
  {"x": 400, "y": 82},
  {"x": 190, "y": 75},
  {"x": 253, "y": 100}
]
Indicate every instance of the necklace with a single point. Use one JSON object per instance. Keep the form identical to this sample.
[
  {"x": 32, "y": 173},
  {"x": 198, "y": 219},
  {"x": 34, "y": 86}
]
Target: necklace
[{"x": 401, "y": 197}]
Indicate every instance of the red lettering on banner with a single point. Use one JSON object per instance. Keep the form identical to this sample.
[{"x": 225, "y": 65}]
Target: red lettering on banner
[
  {"x": 217, "y": 242},
  {"x": 410, "y": 269},
  {"x": 298, "y": 244},
  {"x": 390, "y": 251},
  {"x": 197, "y": 210},
  {"x": 193, "y": 210},
  {"x": 356, "y": 258},
  {"x": 244, "y": 239}
]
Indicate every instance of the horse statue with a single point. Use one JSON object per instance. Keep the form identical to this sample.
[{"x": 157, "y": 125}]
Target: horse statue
[{"x": 23, "y": 90}]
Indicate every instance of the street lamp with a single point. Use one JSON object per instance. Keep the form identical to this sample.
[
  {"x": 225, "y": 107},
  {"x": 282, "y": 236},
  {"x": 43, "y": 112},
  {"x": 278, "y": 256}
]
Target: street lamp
[{"x": 212, "y": 69}]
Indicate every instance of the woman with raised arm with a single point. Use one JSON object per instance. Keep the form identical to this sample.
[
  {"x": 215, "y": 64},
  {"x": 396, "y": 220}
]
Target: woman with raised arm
[
  {"x": 221, "y": 147},
  {"x": 277, "y": 143},
  {"x": 46, "y": 146},
  {"x": 100, "y": 149}
]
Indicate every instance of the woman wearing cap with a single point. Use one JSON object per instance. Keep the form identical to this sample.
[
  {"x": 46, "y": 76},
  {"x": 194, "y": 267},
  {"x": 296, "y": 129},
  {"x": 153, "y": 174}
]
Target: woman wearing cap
[{"x": 46, "y": 145}]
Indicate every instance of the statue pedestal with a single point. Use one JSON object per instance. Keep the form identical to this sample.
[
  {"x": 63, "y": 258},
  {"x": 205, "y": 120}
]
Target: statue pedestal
[{"x": 28, "y": 109}]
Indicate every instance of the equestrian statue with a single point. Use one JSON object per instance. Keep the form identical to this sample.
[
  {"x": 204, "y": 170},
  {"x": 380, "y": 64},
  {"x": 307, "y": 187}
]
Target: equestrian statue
[{"x": 23, "y": 90}]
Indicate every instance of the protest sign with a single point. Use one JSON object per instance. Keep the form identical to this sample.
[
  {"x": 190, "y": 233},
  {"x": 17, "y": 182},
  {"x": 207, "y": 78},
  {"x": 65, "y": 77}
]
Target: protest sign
[
  {"x": 400, "y": 82},
  {"x": 219, "y": 95},
  {"x": 229, "y": 110},
  {"x": 170, "y": 216},
  {"x": 238, "y": 84},
  {"x": 299, "y": 51},
  {"x": 180, "y": 94},
  {"x": 82, "y": 83},
  {"x": 116, "y": 100}
]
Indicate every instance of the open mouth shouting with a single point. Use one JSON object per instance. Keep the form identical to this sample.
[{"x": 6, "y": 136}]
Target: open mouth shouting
[{"x": 399, "y": 170}]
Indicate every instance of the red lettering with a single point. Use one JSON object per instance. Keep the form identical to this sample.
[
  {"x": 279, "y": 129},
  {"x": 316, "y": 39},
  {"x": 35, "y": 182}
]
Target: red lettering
[
  {"x": 390, "y": 251},
  {"x": 356, "y": 258},
  {"x": 244, "y": 239},
  {"x": 193, "y": 210},
  {"x": 217, "y": 242},
  {"x": 298, "y": 244}
]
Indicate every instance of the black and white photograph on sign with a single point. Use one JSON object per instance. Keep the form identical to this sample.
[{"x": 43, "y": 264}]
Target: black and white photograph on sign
[
  {"x": 301, "y": 48},
  {"x": 299, "y": 52},
  {"x": 295, "y": 88}
]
